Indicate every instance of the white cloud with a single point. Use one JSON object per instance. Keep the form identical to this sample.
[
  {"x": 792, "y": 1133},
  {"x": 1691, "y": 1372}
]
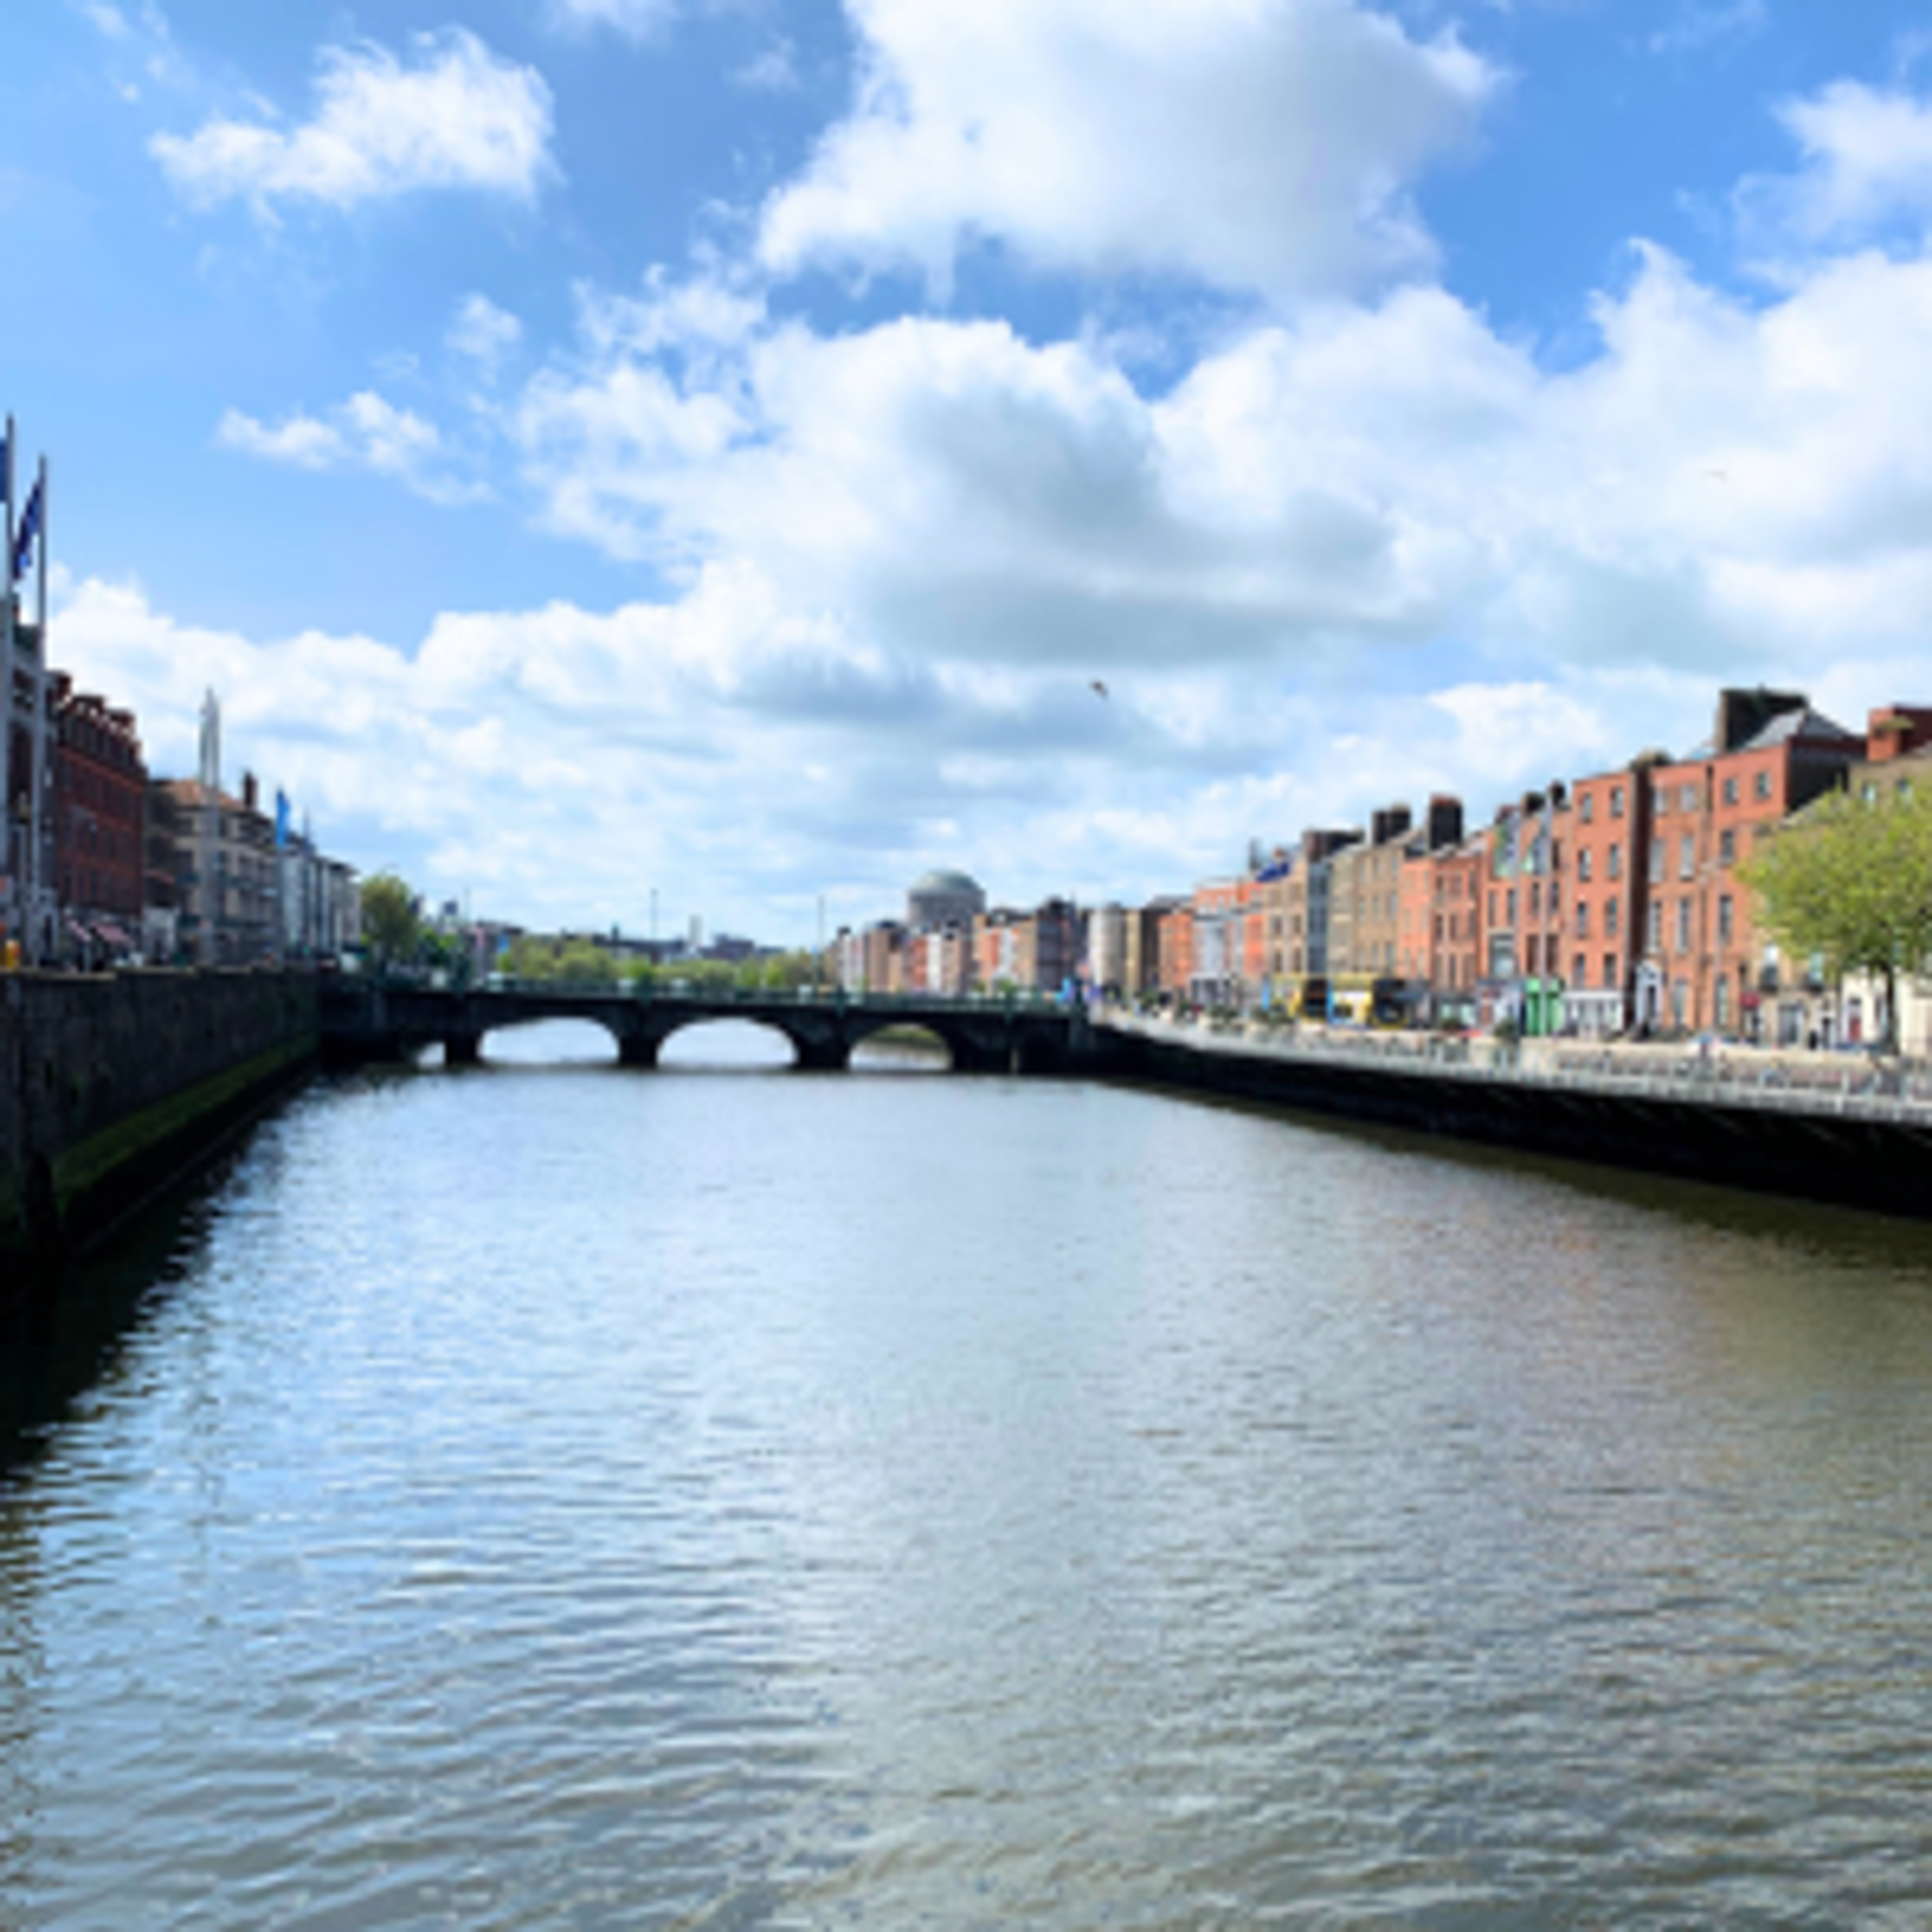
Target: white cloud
[
  {"x": 637, "y": 18},
  {"x": 1866, "y": 164},
  {"x": 302, "y": 441},
  {"x": 458, "y": 117},
  {"x": 110, "y": 22},
  {"x": 1365, "y": 550},
  {"x": 139, "y": 47},
  {"x": 1697, "y": 27},
  {"x": 1256, "y": 145},
  {"x": 484, "y": 333},
  {"x": 774, "y": 70},
  {"x": 719, "y": 747},
  {"x": 365, "y": 432},
  {"x": 1535, "y": 571}
]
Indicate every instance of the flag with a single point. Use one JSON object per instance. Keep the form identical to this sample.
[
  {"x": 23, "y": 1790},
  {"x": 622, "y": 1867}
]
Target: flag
[
  {"x": 29, "y": 530},
  {"x": 281, "y": 817}
]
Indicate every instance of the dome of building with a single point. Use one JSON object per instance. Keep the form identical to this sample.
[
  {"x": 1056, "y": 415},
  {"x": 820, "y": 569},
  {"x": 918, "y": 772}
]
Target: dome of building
[
  {"x": 943, "y": 881},
  {"x": 943, "y": 897}
]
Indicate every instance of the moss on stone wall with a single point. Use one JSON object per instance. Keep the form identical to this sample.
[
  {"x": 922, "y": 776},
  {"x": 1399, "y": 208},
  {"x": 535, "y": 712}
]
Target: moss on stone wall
[
  {"x": 123, "y": 1085},
  {"x": 81, "y": 1171}
]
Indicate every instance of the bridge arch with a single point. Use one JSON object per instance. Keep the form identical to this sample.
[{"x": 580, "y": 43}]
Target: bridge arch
[
  {"x": 728, "y": 1042},
  {"x": 552, "y": 1039},
  {"x": 918, "y": 1045}
]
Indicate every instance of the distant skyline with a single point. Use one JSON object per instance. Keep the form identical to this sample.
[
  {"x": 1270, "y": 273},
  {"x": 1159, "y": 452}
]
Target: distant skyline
[{"x": 754, "y": 449}]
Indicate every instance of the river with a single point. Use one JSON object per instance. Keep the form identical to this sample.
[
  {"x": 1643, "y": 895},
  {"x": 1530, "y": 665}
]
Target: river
[{"x": 546, "y": 1494}]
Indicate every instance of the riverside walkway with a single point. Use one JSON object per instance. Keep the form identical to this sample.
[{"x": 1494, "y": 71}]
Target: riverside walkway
[{"x": 1837, "y": 1084}]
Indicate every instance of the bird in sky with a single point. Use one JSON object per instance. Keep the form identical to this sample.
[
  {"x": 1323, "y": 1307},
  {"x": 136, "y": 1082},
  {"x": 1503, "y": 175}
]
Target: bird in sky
[{"x": 1099, "y": 689}]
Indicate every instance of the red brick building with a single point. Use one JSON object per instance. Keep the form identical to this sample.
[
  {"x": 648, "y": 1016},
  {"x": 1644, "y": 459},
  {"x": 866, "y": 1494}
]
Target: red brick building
[
  {"x": 1177, "y": 949},
  {"x": 101, "y": 786},
  {"x": 1609, "y": 861},
  {"x": 1703, "y": 958},
  {"x": 1459, "y": 877}
]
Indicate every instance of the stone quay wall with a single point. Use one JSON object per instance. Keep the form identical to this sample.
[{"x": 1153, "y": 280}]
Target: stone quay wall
[
  {"x": 1861, "y": 1139},
  {"x": 114, "y": 1085}
]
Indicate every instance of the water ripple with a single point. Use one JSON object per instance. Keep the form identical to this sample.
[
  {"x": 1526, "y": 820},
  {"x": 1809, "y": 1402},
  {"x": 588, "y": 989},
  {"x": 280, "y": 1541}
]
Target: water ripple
[{"x": 564, "y": 1497}]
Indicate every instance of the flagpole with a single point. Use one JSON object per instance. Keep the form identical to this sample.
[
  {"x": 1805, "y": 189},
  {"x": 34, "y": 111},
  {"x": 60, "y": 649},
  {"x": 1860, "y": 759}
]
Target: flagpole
[
  {"x": 12, "y": 855},
  {"x": 42, "y": 888}
]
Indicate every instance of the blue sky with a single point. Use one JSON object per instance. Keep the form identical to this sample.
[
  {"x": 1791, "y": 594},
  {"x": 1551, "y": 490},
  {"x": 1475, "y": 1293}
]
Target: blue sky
[{"x": 714, "y": 446}]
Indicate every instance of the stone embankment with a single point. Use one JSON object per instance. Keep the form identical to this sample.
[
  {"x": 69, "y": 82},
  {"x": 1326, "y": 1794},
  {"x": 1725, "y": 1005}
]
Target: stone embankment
[
  {"x": 115, "y": 1084},
  {"x": 1848, "y": 1128}
]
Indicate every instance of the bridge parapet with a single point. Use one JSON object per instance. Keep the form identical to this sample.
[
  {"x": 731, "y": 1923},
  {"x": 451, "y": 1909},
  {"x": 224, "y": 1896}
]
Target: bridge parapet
[{"x": 368, "y": 1020}]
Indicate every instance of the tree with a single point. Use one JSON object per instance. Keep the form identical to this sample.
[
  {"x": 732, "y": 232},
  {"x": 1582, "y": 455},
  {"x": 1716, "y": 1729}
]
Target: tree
[
  {"x": 1849, "y": 881},
  {"x": 785, "y": 972},
  {"x": 391, "y": 922},
  {"x": 583, "y": 962}
]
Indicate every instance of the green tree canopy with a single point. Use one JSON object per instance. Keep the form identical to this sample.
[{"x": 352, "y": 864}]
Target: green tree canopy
[
  {"x": 391, "y": 920},
  {"x": 784, "y": 972},
  {"x": 583, "y": 962},
  {"x": 577, "y": 962},
  {"x": 1850, "y": 882}
]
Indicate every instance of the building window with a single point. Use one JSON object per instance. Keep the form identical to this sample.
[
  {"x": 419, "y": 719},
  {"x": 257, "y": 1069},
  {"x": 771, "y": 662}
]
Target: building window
[
  {"x": 1610, "y": 918},
  {"x": 1583, "y": 918},
  {"x": 1582, "y": 862},
  {"x": 1616, "y": 801},
  {"x": 1615, "y": 861},
  {"x": 1724, "y": 918},
  {"x": 1683, "y": 925},
  {"x": 1657, "y": 863},
  {"x": 1656, "y": 932},
  {"x": 1609, "y": 972},
  {"x": 1579, "y": 977},
  {"x": 1687, "y": 798},
  {"x": 1763, "y": 788},
  {"x": 1727, "y": 846},
  {"x": 1660, "y": 801},
  {"x": 1586, "y": 807},
  {"x": 1731, "y": 790},
  {"x": 1687, "y": 856}
]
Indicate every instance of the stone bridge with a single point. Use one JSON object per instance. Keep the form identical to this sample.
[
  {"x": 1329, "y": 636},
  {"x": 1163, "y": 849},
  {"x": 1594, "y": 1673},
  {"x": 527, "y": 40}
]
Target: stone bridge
[{"x": 363, "y": 1020}]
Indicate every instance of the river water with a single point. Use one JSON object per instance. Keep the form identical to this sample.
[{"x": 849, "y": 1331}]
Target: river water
[{"x": 547, "y": 1495}]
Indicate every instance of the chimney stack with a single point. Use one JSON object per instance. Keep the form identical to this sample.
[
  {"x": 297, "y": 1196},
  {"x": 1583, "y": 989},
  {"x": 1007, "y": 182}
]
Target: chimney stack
[
  {"x": 1391, "y": 822},
  {"x": 1445, "y": 821}
]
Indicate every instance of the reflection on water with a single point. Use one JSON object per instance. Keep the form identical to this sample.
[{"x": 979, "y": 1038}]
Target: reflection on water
[{"x": 550, "y": 1494}]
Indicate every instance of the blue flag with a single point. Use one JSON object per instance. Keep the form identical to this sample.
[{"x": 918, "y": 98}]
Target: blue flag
[
  {"x": 281, "y": 817},
  {"x": 23, "y": 538}
]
